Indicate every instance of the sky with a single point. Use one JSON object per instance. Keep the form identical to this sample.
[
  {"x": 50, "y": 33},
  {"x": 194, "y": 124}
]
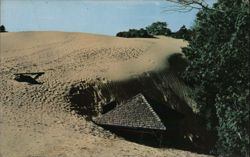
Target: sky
[{"x": 97, "y": 16}]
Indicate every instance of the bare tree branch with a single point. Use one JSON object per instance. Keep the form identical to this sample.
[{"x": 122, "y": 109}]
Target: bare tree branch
[
  {"x": 188, "y": 5},
  {"x": 182, "y": 9}
]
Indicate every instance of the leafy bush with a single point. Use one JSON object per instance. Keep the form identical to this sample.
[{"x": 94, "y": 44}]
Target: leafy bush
[
  {"x": 219, "y": 66},
  {"x": 134, "y": 33}
]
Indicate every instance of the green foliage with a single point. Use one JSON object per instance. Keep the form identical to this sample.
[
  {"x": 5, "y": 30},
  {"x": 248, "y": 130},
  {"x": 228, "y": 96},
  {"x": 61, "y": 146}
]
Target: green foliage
[
  {"x": 134, "y": 33},
  {"x": 158, "y": 28},
  {"x": 219, "y": 66}
]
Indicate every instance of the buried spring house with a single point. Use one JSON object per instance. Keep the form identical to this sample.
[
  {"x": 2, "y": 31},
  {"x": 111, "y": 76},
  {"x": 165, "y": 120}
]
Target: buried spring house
[{"x": 141, "y": 117}]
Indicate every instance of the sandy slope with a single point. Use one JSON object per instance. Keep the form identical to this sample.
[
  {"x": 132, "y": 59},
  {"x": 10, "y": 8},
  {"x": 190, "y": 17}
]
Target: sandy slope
[{"x": 35, "y": 120}]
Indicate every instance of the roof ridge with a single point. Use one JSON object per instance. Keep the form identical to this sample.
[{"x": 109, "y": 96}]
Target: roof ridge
[{"x": 151, "y": 109}]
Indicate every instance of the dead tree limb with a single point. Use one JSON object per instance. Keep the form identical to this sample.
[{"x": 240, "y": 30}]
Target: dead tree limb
[{"x": 189, "y": 5}]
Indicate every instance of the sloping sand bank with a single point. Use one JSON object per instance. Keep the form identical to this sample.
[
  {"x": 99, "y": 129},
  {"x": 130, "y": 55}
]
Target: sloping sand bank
[{"x": 35, "y": 120}]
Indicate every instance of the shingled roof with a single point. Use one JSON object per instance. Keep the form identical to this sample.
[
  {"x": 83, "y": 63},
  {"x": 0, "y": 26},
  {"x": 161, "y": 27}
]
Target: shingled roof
[{"x": 135, "y": 113}]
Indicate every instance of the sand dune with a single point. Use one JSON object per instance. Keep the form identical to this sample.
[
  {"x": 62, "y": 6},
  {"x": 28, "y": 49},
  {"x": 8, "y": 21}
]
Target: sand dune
[{"x": 36, "y": 120}]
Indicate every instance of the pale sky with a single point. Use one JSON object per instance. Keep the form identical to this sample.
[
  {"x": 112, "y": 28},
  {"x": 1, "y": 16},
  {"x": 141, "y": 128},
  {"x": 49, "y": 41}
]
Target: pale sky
[{"x": 96, "y": 16}]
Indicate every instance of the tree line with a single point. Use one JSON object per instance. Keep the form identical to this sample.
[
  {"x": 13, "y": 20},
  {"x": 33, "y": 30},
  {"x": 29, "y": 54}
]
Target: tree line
[{"x": 157, "y": 28}]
